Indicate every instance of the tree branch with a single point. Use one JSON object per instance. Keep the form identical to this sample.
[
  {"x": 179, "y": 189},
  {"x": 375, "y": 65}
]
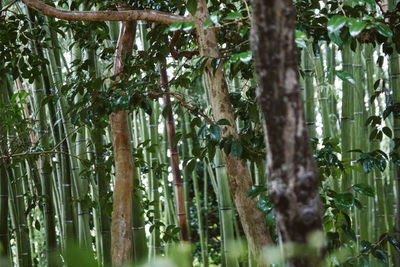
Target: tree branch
[{"x": 123, "y": 15}]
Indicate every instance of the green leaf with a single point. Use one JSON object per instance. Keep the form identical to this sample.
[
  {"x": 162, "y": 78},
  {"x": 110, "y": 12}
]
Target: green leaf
[
  {"x": 356, "y": 27},
  {"x": 380, "y": 163},
  {"x": 191, "y": 165},
  {"x": 176, "y": 138},
  {"x": 383, "y": 29},
  {"x": 344, "y": 200},
  {"x": 368, "y": 165},
  {"x": 215, "y": 133},
  {"x": 245, "y": 57},
  {"x": 349, "y": 232},
  {"x": 362, "y": 262},
  {"x": 233, "y": 16},
  {"x": 371, "y": 2},
  {"x": 207, "y": 23},
  {"x": 336, "y": 23},
  {"x": 176, "y": 26},
  {"x": 345, "y": 76},
  {"x": 264, "y": 204},
  {"x": 335, "y": 37},
  {"x": 395, "y": 243},
  {"x": 188, "y": 26},
  {"x": 236, "y": 148},
  {"x": 387, "y": 131},
  {"x": 380, "y": 255},
  {"x": 301, "y": 39},
  {"x": 192, "y": 6},
  {"x": 364, "y": 189},
  {"x": 223, "y": 122},
  {"x": 255, "y": 190},
  {"x": 365, "y": 245}
]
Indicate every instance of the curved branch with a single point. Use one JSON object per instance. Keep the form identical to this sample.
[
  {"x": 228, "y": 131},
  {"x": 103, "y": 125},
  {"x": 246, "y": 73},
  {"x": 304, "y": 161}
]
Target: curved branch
[
  {"x": 175, "y": 53},
  {"x": 123, "y": 15}
]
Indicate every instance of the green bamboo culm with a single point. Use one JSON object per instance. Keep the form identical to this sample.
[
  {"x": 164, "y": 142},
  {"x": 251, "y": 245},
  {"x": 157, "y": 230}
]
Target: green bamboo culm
[
  {"x": 360, "y": 133},
  {"x": 140, "y": 249},
  {"x": 395, "y": 85},
  {"x": 4, "y": 217},
  {"x": 332, "y": 97},
  {"x": 347, "y": 116},
  {"x": 309, "y": 107},
  {"x": 374, "y": 144}
]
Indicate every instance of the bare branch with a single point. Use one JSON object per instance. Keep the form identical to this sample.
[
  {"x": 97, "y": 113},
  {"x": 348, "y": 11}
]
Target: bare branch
[{"x": 122, "y": 15}]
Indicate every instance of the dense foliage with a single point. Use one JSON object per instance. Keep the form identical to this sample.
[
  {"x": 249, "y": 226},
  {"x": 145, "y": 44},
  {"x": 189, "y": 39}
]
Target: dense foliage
[{"x": 57, "y": 90}]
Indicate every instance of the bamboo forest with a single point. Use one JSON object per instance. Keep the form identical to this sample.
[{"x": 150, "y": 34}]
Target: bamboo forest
[{"x": 186, "y": 133}]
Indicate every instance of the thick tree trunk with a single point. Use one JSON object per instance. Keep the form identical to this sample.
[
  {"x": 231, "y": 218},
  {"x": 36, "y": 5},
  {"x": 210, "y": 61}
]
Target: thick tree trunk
[
  {"x": 121, "y": 225},
  {"x": 239, "y": 178},
  {"x": 293, "y": 174}
]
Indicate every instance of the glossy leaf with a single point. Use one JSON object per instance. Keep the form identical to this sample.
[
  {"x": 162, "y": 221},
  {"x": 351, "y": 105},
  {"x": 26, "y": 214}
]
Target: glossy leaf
[
  {"x": 233, "y": 16},
  {"x": 223, "y": 122},
  {"x": 364, "y": 189},
  {"x": 256, "y": 190},
  {"x": 344, "y": 200},
  {"x": 301, "y": 39},
  {"x": 383, "y": 29},
  {"x": 356, "y": 27},
  {"x": 395, "y": 243},
  {"x": 336, "y": 23},
  {"x": 236, "y": 149},
  {"x": 380, "y": 255},
  {"x": 215, "y": 133},
  {"x": 345, "y": 76}
]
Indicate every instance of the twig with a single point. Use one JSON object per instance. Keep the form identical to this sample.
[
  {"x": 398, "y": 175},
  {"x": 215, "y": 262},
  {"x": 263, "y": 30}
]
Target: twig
[{"x": 8, "y": 6}]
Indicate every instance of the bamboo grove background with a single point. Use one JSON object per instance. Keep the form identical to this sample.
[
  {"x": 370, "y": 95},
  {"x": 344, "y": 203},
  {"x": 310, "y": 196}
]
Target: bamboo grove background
[{"x": 56, "y": 171}]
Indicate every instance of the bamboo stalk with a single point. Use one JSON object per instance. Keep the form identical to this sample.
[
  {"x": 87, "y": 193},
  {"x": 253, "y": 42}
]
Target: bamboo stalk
[{"x": 309, "y": 99}]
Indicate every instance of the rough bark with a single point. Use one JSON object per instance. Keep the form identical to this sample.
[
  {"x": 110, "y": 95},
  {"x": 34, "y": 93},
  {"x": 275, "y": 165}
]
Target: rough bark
[
  {"x": 293, "y": 174},
  {"x": 121, "y": 225},
  {"x": 176, "y": 173},
  {"x": 120, "y": 15},
  {"x": 239, "y": 178}
]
